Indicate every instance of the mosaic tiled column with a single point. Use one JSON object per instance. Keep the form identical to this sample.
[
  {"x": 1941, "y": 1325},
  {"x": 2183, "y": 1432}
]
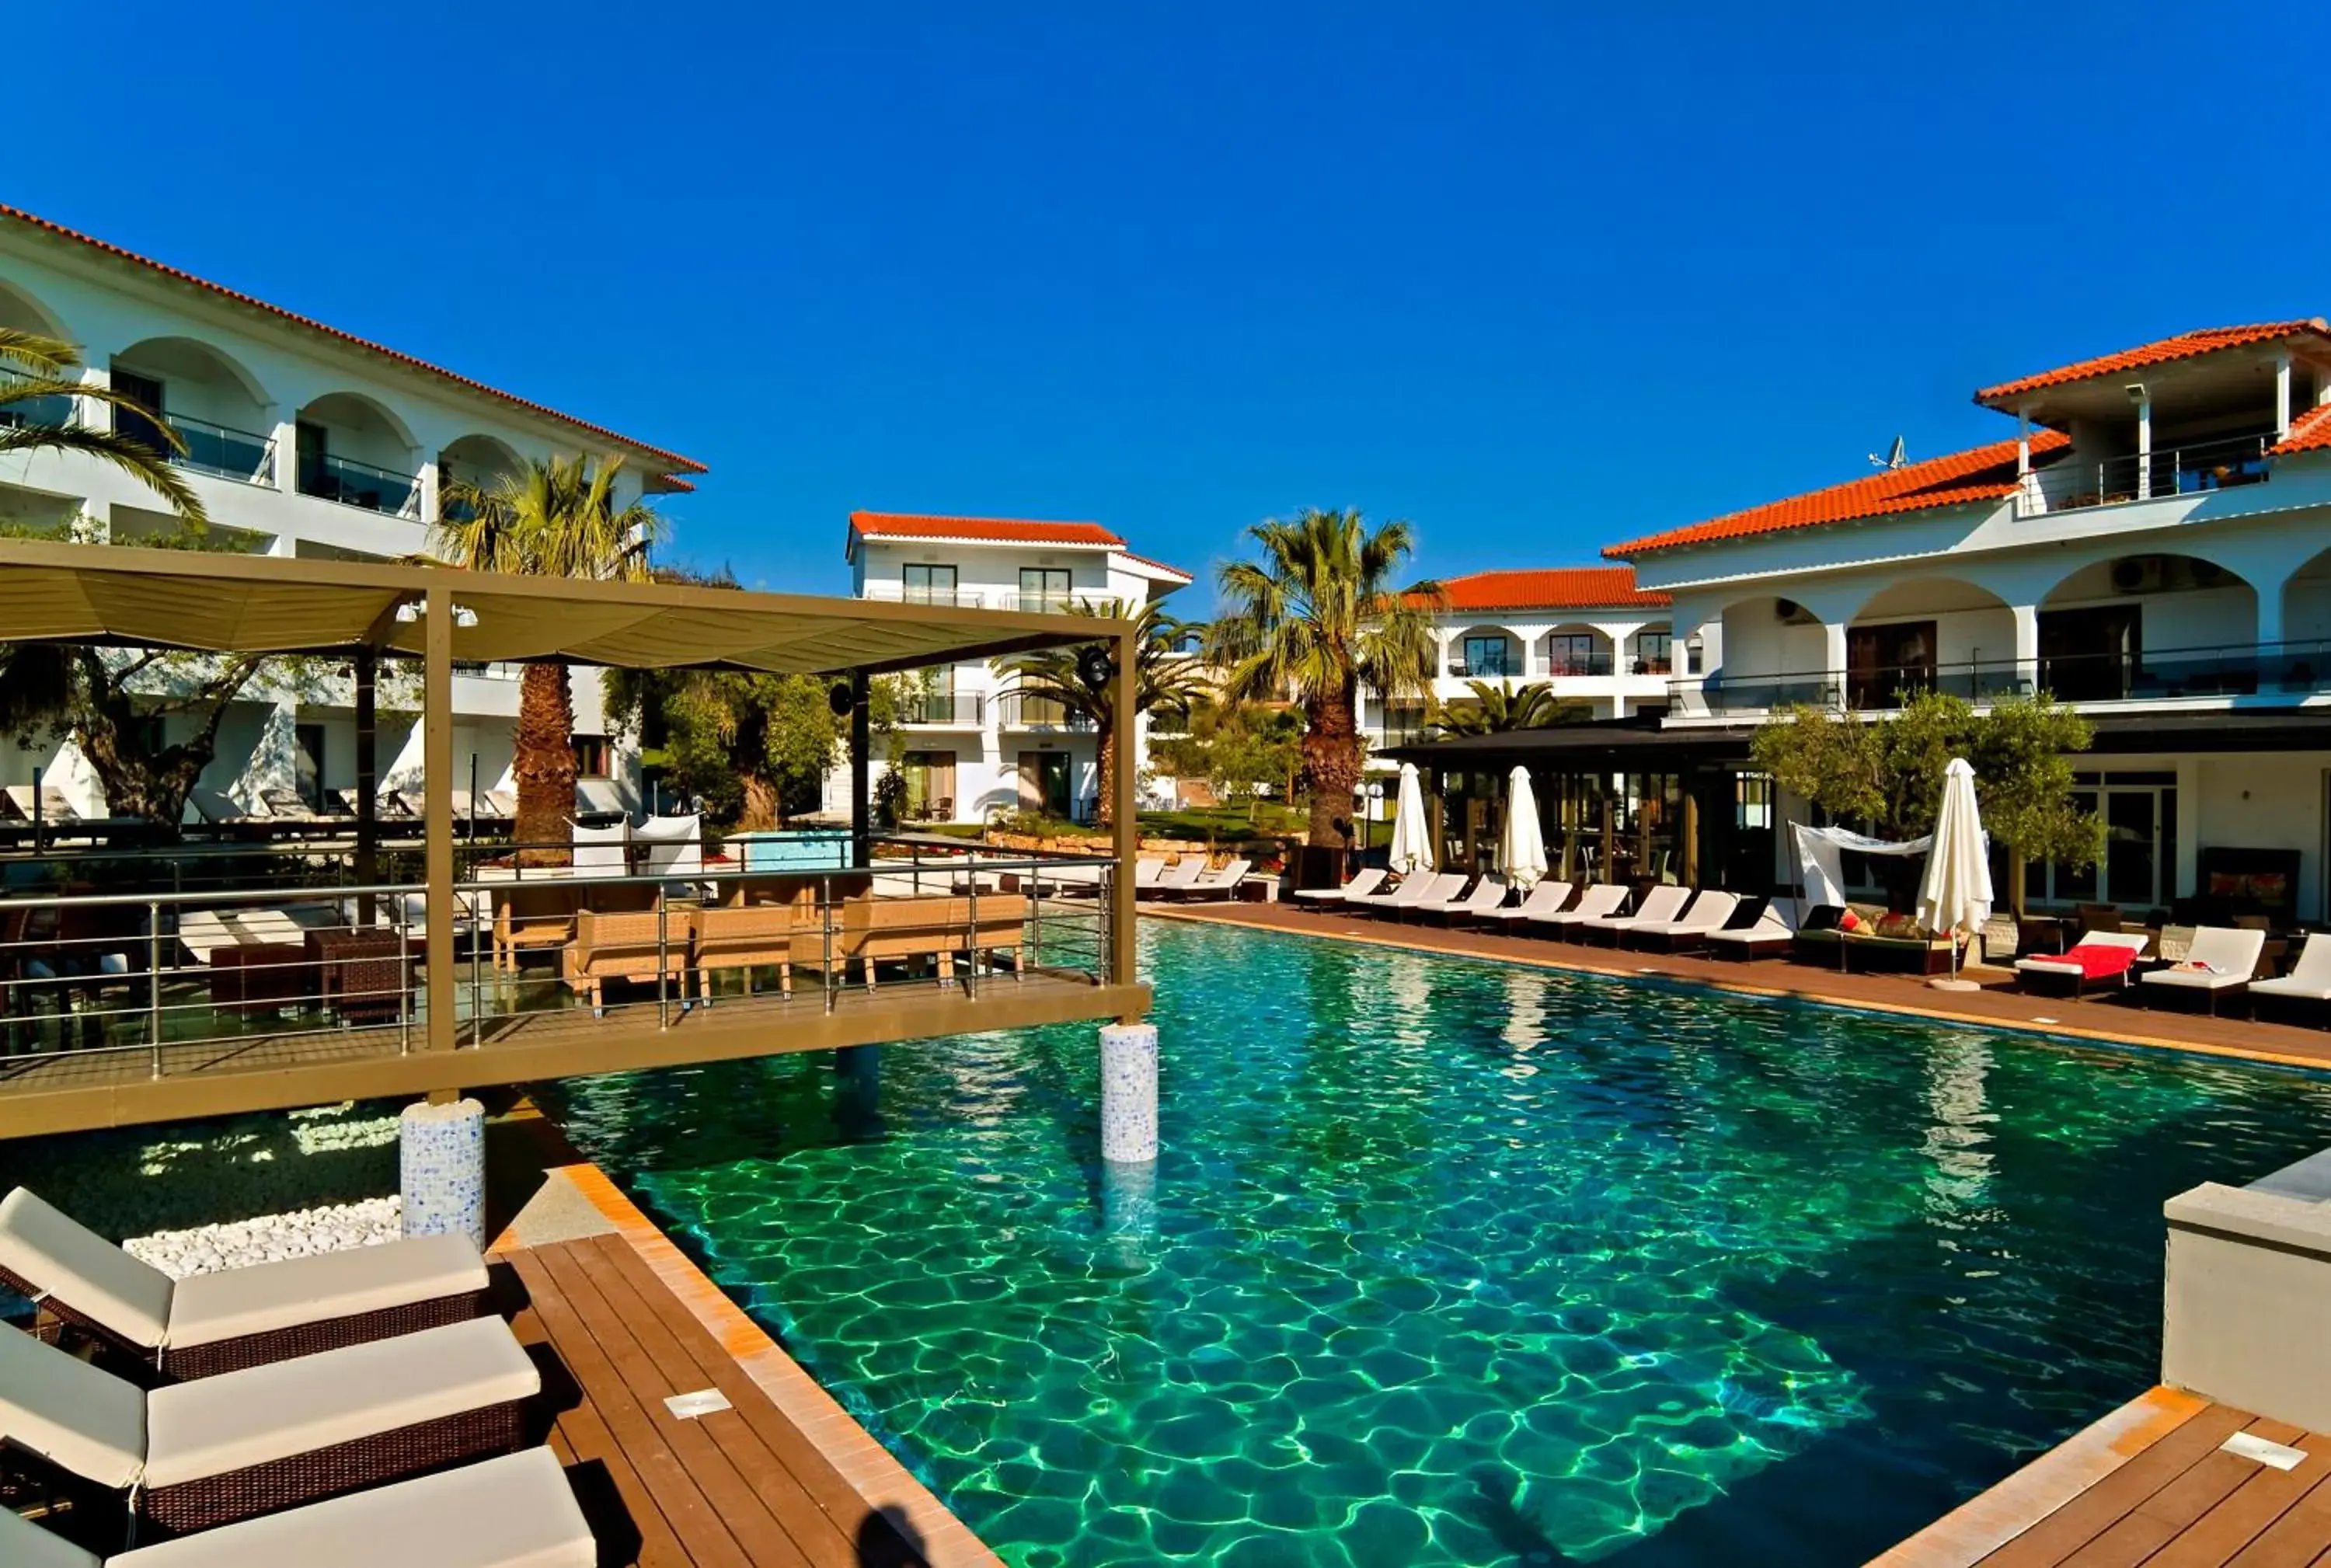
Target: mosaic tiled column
[
  {"x": 441, "y": 1157},
  {"x": 1129, "y": 1092}
]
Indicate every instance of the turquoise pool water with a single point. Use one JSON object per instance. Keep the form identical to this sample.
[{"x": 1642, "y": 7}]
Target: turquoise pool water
[{"x": 1454, "y": 1263}]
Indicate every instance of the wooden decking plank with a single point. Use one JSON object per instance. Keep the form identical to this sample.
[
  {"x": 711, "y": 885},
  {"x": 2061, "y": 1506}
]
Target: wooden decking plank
[
  {"x": 832, "y": 1492},
  {"x": 825, "y": 1541},
  {"x": 740, "y": 1498},
  {"x": 694, "y": 1521},
  {"x": 2300, "y": 1537},
  {"x": 2263, "y": 1497},
  {"x": 2062, "y": 1533}
]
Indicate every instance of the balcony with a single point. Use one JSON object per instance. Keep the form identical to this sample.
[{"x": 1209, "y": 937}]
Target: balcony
[
  {"x": 1072, "y": 603},
  {"x": 52, "y": 413},
  {"x": 943, "y": 710},
  {"x": 1571, "y": 665},
  {"x": 2291, "y": 671},
  {"x": 222, "y": 450},
  {"x": 1042, "y": 713},
  {"x": 2075, "y": 483},
  {"x": 357, "y": 484}
]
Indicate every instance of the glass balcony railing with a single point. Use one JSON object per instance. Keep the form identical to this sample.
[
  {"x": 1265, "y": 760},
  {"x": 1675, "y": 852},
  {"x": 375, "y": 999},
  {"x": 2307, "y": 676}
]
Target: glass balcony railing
[
  {"x": 1042, "y": 713},
  {"x": 223, "y": 449},
  {"x": 2292, "y": 670},
  {"x": 355, "y": 484},
  {"x": 965, "y": 710},
  {"x": 52, "y": 413}
]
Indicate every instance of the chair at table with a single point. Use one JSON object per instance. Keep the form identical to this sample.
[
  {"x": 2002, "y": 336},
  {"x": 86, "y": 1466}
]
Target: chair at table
[
  {"x": 741, "y": 937},
  {"x": 624, "y": 945}
]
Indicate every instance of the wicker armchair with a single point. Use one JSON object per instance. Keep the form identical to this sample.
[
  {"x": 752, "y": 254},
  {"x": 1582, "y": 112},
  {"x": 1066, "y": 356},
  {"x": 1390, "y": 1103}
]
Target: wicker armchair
[
  {"x": 629, "y": 944},
  {"x": 532, "y": 915},
  {"x": 743, "y": 938}
]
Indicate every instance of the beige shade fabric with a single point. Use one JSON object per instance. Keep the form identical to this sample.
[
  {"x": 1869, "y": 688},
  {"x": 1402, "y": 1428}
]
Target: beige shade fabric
[
  {"x": 265, "y": 1296},
  {"x": 86, "y": 1422},
  {"x": 240, "y": 1419},
  {"x": 513, "y": 1512},
  {"x": 61, "y": 1257},
  {"x": 272, "y": 604},
  {"x": 25, "y": 1544}
]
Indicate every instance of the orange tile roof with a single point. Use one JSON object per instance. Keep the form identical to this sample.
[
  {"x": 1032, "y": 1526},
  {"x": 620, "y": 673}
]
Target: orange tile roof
[
  {"x": 2310, "y": 432},
  {"x": 1003, "y": 530},
  {"x": 1982, "y": 473},
  {"x": 685, "y": 464},
  {"x": 1549, "y": 588},
  {"x": 2185, "y": 345}
]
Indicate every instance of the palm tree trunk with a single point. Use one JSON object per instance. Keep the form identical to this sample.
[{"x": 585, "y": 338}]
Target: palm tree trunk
[
  {"x": 544, "y": 762},
  {"x": 1105, "y": 808},
  {"x": 1331, "y": 760}
]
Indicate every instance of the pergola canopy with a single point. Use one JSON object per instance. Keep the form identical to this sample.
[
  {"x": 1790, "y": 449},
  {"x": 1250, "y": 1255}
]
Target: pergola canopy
[{"x": 238, "y": 603}]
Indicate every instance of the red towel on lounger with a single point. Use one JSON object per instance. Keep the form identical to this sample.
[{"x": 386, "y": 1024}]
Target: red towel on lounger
[{"x": 2100, "y": 960}]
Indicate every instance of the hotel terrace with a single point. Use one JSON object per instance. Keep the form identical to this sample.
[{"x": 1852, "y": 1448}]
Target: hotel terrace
[{"x": 2152, "y": 542}]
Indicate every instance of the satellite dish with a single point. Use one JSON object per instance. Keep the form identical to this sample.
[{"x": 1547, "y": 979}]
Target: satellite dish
[{"x": 1896, "y": 457}]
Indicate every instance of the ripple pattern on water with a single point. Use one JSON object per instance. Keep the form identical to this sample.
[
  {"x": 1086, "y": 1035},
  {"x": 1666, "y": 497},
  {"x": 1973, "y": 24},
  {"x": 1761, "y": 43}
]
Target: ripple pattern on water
[{"x": 1453, "y": 1263}]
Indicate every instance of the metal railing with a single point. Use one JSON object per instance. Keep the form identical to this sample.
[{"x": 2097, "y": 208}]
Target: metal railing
[
  {"x": 51, "y": 412},
  {"x": 2069, "y": 485},
  {"x": 357, "y": 484},
  {"x": 1570, "y": 664},
  {"x": 956, "y": 710},
  {"x": 2292, "y": 669},
  {"x": 223, "y": 449},
  {"x": 157, "y": 978}
]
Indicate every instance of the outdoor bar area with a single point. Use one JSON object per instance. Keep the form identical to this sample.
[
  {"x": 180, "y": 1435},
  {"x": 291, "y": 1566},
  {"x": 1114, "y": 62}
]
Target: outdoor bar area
[{"x": 388, "y": 955}]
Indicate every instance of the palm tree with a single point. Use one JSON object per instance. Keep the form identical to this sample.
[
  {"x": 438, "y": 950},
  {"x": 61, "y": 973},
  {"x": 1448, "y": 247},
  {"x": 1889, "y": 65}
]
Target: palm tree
[
  {"x": 1163, "y": 678},
  {"x": 1315, "y": 617},
  {"x": 551, "y": 519},
  {"x": 1501, "y": 709},
  {"x": 34, "y": 369}
]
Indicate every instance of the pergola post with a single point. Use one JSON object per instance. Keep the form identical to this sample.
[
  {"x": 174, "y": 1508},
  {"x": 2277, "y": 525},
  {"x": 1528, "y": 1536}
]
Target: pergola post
[
  {"x": 367, "y": 869},
  {"x": 441, "y": 1142},
  {"x": 1690, "y": 845},
  {"x": 1128, "y": 1047},
  {"x": 861, "y": 766}
]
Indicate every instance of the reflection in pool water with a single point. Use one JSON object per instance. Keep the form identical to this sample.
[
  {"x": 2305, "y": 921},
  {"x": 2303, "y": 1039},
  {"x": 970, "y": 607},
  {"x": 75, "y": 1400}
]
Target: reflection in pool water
[{"x": 1450, "y": 1262}]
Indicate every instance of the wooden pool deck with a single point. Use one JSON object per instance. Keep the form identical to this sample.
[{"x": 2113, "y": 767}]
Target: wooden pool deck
[
  {"x": 2151, "y": 1484},
  {"x": 2108, "y": 1019},
  {"x": 621, "y": 1321}
]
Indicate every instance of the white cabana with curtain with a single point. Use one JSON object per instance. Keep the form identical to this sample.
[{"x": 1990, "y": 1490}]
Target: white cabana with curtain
[{"x": 1821, "y": 853}]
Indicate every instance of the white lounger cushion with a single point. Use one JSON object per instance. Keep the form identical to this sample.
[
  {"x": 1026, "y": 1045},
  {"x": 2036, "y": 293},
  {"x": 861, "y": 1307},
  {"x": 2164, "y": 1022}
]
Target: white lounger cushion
[
  {"x": 2309, "y": 978},
  {"x": 61, "y": 1257},
  {"x": 514, "y": 1512},
  {"x": 2042, "y": 963},
  {"x": 84, "y": 1420},
  {"x": 240, "y": 1419},
  {"x": 2233, "y": 954},
  {"x": 25, "y": 1544},
  {"x": 264, "y": 1297}
]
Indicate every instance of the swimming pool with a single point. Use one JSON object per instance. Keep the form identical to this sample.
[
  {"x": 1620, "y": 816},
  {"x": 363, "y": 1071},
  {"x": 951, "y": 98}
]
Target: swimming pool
[{"x": 1450, "y": 1262}]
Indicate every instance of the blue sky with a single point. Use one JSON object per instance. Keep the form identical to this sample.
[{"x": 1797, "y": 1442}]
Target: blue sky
[{"x": 1532, "y": 279}]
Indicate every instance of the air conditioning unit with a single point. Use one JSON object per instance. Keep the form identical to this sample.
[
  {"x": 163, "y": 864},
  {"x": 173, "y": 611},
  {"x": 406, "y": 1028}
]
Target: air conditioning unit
[
  {"x": 1789, "y": 612},
  {"x": 2138, "y": 575},
  {"x": 2206, "y": 573}
]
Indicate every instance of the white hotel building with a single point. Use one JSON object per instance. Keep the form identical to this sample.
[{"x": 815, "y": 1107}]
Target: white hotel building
[
  {"x": 301, "y": 439},
  {"x": 971, "y": 747},
  {"x": 2150, "y": 540}
]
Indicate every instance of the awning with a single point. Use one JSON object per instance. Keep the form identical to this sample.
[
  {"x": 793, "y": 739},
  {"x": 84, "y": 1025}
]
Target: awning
[{"x": 1610, "y": 746}]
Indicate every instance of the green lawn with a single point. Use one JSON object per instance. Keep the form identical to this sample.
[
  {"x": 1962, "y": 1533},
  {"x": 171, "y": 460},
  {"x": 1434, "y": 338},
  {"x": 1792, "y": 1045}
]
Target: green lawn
[{"x": 1267, "y": 820}]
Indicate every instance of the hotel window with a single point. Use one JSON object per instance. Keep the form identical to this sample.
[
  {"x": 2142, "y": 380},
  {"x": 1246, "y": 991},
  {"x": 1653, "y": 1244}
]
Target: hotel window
[
  {"x": 1655, "y": 652},
  {"x": 1572, "y": 653},
  {"x": 2139, "y": 868},
  {"x": 1401, "y": 721},
  {"x": 591, "y": 755},
  {"x": 927, "y": 584},
  {"x": 142, "y": 423},
  {"x": 1043, "y": 588},
  {"x": 1489, "y": 656},
  {"x": 307, "y": 762},
  {"x": 930, "y": 783}
]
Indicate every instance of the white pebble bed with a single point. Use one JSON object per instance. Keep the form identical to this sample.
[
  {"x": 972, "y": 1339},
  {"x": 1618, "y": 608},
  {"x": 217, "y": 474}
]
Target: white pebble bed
[{"x": 271, "y": 1238}]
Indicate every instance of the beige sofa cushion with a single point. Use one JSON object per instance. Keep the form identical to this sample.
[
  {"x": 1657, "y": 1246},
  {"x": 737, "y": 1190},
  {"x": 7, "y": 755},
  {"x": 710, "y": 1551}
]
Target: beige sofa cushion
[
  {"x": 65, "y": 1259},
  {"x": 240, "y": 1419},
  {"x": 234, "y": 1302},
  {"x": 86, "y": 1421},
  {"x": 25, "y": 1544},
  {"x": 513, "y": 1512}
]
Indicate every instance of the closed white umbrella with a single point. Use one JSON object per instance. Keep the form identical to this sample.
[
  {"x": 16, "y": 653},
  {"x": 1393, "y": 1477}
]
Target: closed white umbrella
[
  {"x": 1412, "y": 835},
  {"x": 1521, "y": 848},
  {"x": 1955, "y": 894}
]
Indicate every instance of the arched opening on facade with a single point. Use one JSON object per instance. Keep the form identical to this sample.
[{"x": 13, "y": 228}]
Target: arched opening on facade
[
  {"x": 2149, "y": 626},
  {"x": 20, "y": 311},
  {"x": 1574, "y": 648},
  {"x": 1486, "y": 654},
  {"x": 1930, "y": 634},
  {"x": 1774, "y": 652},
  {"x": 355, "y": 451},
  {"x": 222, "y": 417}
]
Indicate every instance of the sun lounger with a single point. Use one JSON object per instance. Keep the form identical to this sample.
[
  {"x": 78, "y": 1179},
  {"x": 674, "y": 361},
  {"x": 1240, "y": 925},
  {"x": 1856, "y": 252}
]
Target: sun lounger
[
  {"x": 1420, "y": 888},
  {"x": 498, "y": 806},
  {"x": 1597, "y": 901},
  {"x": 1711, "y": 911},
  {"x": 2310, "y": 979},
  {"x": 197, "y": 1455},
  {"x": 2221, "y": 960},
  {"x": 1147, "y": 870},
  {"x": 1774, "y": 931},
  {"x": 1182, "y": 873},
  {"x": 1219, "y": 884},
  {"x": 1365, "y": 882},
  {"x": 2096, "y": 958},
  {"x": 55, "y": 810},
  {"x": 517, "y": 1511},
  {"x": 1543, "y": 899},
  {"x": 1661, "y": 905},
  {"x": 1486, "y": 894},
  {"x": 215, "y": 1322}
]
